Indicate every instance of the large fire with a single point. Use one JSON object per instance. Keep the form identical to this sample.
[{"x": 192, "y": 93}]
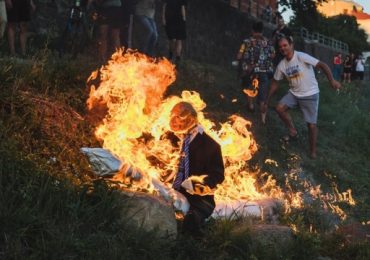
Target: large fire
[{"x": 136, "y": 127}]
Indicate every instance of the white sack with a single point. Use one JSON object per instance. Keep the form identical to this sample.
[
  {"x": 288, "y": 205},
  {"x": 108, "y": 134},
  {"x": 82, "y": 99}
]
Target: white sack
[
  {"x": 102, "y": 161},
  {"x": 179, "y": 201},
  {"x": 236, "y": 208}
]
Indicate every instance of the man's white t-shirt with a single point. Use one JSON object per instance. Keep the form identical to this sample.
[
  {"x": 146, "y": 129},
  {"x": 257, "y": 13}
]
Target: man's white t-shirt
[
  {"x": 360, "y": 65},
  {"x": 300, "y": 73}
]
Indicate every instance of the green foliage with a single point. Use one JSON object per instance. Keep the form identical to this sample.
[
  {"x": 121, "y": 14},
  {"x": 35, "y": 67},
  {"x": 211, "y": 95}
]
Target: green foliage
[
  {"x": 346, "y": 29},
  {"x": 305, "y": 12},
  {"x": 341, "y": 27}
]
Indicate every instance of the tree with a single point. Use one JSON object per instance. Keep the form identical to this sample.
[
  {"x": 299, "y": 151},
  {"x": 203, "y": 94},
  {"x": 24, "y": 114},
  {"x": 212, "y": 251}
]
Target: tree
[
  {"x": 341, "y": 27},
  {"x": 346, "y": 29},
  {"x": 304, "y": 12}
]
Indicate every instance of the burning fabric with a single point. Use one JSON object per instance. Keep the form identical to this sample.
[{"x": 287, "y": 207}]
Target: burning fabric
[
  {"x": 137, "y": 124},
  {"x": 137, "y": 129}
]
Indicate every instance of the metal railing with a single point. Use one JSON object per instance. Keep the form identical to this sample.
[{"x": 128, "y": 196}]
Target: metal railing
[{"x": 322, "y": 39}]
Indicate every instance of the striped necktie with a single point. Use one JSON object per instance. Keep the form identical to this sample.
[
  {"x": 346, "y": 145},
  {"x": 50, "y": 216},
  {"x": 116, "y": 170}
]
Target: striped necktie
[{"x": 183, "y": 169}]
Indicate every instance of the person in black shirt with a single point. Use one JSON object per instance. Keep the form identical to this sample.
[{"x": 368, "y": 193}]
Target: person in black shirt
[
  {"x": 173, "y": 18},
  {"x": 19, "y": 14},
  {"x": 128, "y": 10}
]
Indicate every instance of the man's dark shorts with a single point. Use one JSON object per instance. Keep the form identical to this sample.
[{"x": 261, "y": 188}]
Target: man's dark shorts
[
  {"x": 20, "y": 12},
  {"x": 176, "y": 30}
]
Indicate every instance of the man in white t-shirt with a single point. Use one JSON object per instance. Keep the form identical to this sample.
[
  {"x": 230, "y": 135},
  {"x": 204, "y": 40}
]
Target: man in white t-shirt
[
  {"x": 360, "y": 67},
  {"x": 298, "y": 68}
]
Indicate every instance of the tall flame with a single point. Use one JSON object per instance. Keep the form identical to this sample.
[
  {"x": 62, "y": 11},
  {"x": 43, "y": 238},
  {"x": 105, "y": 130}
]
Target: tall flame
[{"x": 136, "y": 124}]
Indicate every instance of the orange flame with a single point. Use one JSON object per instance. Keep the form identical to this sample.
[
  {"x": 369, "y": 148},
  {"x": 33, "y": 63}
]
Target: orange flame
[
  {"x": 135, "y": 127},
  {"x": 253, "y": 91}
]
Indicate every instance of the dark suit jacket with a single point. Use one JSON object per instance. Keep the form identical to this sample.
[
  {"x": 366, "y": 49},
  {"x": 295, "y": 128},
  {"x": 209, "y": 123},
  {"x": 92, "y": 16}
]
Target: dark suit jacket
[{"x": 205, "y": 158}]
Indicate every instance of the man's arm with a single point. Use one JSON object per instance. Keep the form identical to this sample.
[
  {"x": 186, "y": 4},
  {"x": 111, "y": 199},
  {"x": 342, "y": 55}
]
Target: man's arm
[
  {"x": 325, "y": 68},
  {"x": 242, "y": 49},
  {"x": 183, "y": 13}
]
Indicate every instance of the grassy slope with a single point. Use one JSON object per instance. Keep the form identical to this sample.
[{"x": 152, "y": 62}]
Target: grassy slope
[{"x": 52, "y": 220}]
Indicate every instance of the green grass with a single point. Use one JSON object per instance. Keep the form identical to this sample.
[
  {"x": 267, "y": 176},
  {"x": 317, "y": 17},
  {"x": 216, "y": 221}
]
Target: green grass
[{"x": 53, "y": 207}]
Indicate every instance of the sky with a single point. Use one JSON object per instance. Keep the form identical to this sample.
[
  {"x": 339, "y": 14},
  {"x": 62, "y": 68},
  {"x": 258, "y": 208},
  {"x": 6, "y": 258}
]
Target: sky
[{"x": 364, "y": 3}]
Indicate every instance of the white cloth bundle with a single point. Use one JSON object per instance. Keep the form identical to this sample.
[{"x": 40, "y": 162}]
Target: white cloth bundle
[{"x": 102, "y": 161}]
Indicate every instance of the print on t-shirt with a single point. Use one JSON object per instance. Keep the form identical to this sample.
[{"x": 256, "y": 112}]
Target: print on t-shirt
[{"x": 293, "y": 72}]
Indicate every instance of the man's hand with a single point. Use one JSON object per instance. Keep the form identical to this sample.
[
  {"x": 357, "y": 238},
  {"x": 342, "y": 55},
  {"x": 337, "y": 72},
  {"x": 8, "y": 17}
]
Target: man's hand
[
  {"x": 202, "y": 190},
  {"x": 335, "y": 84},
  {"x": 188, "y": 186},
  {"x": 195, "y": 187}
]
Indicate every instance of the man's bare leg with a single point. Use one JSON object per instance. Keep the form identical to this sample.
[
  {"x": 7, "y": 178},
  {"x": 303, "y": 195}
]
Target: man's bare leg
[
  {"x": 23, "y": 37},
  {"x": 103, "y": 42},
  {"x": 178, "y": 46},
  {"x": 282, "y": 111},
  {"x": 11, "y": 37},
  {"x": 312, "y": 132}
]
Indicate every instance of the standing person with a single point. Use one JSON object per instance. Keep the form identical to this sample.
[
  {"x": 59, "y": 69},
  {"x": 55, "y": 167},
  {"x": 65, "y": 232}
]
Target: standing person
[
  {"x": 347, "y": 69},
  {"x": 19, "y": 14},
  {"x": 109, "y": 16},
  {"x": 360, "y": 67},
  {"x": 255, "y": 56},
  {"x": 145, "y": 11},
  {"x": 128, "y": 9},
  {"x": 174, "y": 18},
  {"x": 337, "y": 63},
  {"x": 201, "y": 156},
  {"x": 353, "y": 71},
  {"x": 298, "y": 68},
  {"x": 3, "y": 18},
  {"x": 281, "y": 30}
]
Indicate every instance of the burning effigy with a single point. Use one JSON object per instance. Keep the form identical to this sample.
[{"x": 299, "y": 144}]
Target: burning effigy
[{"x": 135, "y": 127}]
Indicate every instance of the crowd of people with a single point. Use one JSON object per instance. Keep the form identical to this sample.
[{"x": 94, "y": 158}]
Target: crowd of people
[
  {"x": 115, "y": 23},
  {"x": 349, "y": 68}
]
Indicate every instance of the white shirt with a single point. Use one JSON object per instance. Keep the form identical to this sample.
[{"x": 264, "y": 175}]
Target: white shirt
[
  {"x": 196, "y": 130},
  {"x": 300, "y": 73},
  {"x": 360, "y": 65}
]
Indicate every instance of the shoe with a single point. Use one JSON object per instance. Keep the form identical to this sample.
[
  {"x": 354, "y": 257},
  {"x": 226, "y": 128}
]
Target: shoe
[{"x": 287, "y": 138}]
